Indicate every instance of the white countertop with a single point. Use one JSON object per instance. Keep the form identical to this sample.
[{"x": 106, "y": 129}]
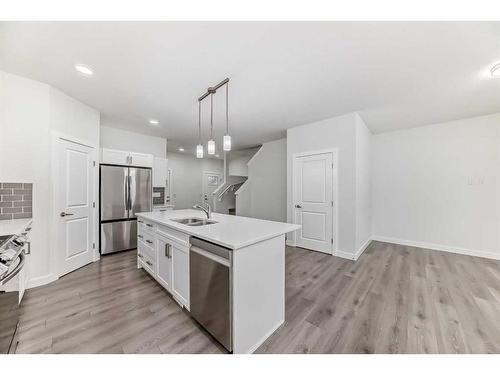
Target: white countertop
[
  {"x": 230, "y": 231},
  {"x": 16, "y": 226}
]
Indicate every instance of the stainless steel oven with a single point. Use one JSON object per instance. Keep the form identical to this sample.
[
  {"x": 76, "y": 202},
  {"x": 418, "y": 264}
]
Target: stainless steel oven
[
  {"x": 210, "y": 289},
  {"x": 12, "y": 260}
]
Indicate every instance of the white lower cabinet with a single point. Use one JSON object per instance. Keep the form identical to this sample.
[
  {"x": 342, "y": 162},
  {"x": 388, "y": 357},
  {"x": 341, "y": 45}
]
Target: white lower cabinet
[
  {"x": 170, "y": 265},
  {"x": 164, "y": 271},
  {"x": 180, "y": 273}
]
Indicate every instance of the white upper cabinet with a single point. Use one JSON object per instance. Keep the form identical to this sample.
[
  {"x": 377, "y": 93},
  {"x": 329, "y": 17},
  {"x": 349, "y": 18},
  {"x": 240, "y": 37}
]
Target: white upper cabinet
[
  {"x": 159, "y": 172},
  {"x": 109, "y": 156},
  {"x": 141, "y": 160},
  {"x": 120, "y": 157}
]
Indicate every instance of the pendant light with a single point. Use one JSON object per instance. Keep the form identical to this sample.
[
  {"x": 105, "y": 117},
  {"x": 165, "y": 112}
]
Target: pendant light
[
  {"x": 211, "y": 142},
  {"x": 227, "y": 138},
  {"x": 199, "y": 147}
]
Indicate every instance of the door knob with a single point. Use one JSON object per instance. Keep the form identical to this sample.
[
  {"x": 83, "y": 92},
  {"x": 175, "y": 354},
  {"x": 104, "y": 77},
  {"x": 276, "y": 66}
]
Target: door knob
[
  {"x": 62, "y": 214},
  {"x": 298, "y": 206}
]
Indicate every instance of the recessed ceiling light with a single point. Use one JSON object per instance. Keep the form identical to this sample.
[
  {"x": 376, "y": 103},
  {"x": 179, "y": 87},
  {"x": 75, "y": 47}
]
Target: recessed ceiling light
[
  {"x": 495, "y": 71},
  {"x": 217, "y": 155},
  {"x": 84, "y": 69},
  {"x": 181, "y": 149},
  {"x": 154, "y": 122}
]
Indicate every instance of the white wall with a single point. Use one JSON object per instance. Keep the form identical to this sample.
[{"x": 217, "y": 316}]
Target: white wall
[
  {"x": 439, "y": 186},
  {"x": 187, "y": 177},
  {"x": 263, "y": 195},
  {"x": 338, "y": 132},
  {"x": 125, "y": 140},
  {"x": 71, "y": 117},
  {"x": 29, "y": 113},
  {"x": 363, "y": 185},
  {"x": 25, "y": 155}
]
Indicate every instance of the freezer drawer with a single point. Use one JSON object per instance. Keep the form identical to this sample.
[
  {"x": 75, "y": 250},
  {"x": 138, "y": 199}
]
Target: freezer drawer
[{"x": 118, "y": 236}]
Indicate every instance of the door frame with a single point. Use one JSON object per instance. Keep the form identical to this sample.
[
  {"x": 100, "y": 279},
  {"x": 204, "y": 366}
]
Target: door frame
[
  {"x": 335, "y": 194},
  {"x": 55, "y": 165}
]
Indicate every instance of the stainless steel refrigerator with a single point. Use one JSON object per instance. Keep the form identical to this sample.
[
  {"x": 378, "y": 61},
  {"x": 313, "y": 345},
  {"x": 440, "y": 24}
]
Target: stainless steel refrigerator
[{"x": 123, "y": 192}]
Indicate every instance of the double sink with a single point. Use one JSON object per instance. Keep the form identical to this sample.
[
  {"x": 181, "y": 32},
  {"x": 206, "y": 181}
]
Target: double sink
[{"x": 194, "y": 221}]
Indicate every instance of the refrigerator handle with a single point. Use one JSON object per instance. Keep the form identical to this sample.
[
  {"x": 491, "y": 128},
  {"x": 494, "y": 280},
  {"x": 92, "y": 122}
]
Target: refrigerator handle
[
  {"x": 129, "y": 195},
  {"x": 125, "y": 187}
]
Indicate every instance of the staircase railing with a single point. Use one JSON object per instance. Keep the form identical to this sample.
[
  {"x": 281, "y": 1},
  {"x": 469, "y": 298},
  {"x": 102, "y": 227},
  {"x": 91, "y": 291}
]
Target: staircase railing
[{"x": 231, "y": 187}]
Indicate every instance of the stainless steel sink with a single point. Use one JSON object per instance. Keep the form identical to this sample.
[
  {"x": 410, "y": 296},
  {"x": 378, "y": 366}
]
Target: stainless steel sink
[{"x": 194, "y": 221}]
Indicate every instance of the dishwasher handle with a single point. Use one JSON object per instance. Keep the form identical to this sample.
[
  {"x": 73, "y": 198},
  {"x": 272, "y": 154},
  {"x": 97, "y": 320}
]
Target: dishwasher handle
[
  {"x": 210, "y": 247},
  {"x": 210, "y": 255}
]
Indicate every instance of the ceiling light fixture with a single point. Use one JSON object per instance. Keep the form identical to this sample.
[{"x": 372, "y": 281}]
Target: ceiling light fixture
[
  {"x": 154, "y": 122},
  {"x": 199, "y": 147},
  {"x": 227, "y": 138},
  {"x": 211, "y": 142},
  {"x": 495, "y": 71},
  {"x": 84, "y": 69},
  {"x": 216, "y": 155},
  {"x": 181, "y": 149}
]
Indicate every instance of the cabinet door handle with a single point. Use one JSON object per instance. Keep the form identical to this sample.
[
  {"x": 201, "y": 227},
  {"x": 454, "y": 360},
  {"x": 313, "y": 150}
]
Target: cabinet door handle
[
  {"x": 140, "y": 256},
  {"x": 168, "y": 253},
  {"x": 150, "y": 225},
  {"x": 149, "y": 263},
  {"x": 140, "y": 221},
  {"x": 148, "y": 241},
  {"x": 140, "y": 236}
]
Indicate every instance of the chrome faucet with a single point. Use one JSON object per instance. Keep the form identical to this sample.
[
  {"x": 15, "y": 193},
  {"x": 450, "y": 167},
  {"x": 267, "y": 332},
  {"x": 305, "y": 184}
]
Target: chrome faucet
[{"x": 207, "y": 209}]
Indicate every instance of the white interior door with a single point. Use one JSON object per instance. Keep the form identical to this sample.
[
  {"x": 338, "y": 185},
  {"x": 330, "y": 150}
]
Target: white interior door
[
  {"x": 313, "y": 193},
  {"x": 74, "y": 199}
]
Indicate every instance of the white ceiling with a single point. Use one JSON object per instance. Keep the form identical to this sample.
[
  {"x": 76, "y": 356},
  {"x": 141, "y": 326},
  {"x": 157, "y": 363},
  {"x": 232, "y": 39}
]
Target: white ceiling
[{"x": 395, "y": 74}]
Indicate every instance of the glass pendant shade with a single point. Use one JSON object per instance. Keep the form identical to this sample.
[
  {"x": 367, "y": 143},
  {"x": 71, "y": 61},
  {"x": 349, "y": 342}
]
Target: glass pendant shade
[
  {"x": 199, "y": 151},
  {"x": 227, "y": 142},
  {"x": 211, "y": 147}
]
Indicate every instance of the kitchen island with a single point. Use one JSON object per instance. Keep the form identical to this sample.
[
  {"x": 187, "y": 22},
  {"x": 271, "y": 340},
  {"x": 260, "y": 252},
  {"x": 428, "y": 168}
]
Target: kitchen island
[{"x": 255, "y": 262}]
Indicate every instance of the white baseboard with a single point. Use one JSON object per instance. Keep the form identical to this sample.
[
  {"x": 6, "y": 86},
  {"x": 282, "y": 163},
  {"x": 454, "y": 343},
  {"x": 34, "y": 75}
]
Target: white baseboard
[
  {"x": 344, "y": 254},
  {"x": 446, "y": 248},
  {"x": 290, "y": 243},
  {"x": 264, "y": 338},
  {"x": 356, "y": 255},
  {"x": 40, "y": 280}
]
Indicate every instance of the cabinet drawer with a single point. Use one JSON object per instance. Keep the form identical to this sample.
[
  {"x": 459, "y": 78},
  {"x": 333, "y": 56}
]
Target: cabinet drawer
[
  {"x": 144, "y": 225},
  {"x": 147, "y": 262},
  {"x": 146, "y": 250},
  {"x": 147, "y": 238},
  {"x": 173, "y": 234}
]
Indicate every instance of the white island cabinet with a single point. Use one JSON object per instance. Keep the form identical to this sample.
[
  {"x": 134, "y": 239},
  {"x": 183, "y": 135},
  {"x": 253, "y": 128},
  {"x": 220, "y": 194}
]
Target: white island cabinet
[{"x": 257, "y": 266}]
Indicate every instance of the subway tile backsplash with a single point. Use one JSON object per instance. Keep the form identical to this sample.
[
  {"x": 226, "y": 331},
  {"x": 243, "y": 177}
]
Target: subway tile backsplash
[{"x": 16, "y": 200}]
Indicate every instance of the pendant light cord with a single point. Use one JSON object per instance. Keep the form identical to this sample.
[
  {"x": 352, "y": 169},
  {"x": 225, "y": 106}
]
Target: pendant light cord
[
  {"x": 227, "y": 101},
  {"x": 199, "y": 122},
  {"x": 211, "y": 115}
]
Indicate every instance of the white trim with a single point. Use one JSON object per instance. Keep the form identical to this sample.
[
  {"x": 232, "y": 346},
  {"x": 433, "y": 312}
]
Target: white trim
[
  {"x": 254, "y": 155},
  {"x": 335, "y": 192},
  {"x": 437, "y": 247},
  {"x": 362, "y": 248},
  {"x": 265, "y": 337},
  {"x": 345, "y": 255},
  {"x": 290, "y": 242},
  {"x": 40, "y": 280}
]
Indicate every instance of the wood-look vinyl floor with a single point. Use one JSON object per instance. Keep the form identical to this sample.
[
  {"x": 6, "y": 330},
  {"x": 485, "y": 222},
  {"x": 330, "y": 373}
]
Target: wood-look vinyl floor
[{"x": 394, "y": 299}]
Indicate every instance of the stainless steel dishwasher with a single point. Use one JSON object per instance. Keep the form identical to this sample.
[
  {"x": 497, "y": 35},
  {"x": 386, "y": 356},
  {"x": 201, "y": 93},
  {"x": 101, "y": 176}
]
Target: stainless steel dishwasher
[{"x": 210, "y": 289}]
